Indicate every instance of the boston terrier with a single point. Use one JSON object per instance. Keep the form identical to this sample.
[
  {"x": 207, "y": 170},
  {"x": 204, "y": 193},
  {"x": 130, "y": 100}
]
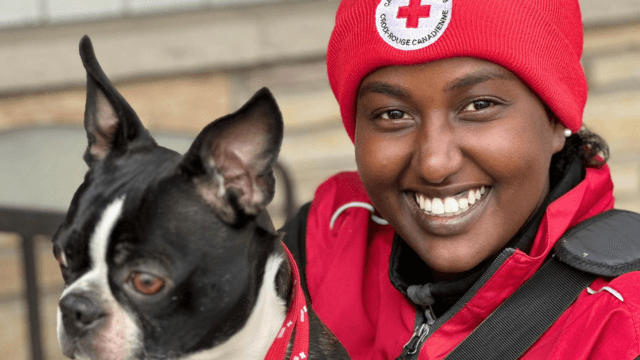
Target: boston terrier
[{"x": 169, "y": 256}]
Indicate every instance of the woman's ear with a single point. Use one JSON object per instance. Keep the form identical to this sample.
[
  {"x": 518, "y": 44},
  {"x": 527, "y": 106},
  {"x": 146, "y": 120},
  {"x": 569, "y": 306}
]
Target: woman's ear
[{"x": 558, "y": 138}]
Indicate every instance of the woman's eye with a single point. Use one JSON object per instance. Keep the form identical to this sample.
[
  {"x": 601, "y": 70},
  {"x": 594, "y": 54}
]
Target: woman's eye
[
  {"x": 146, "y": 284},
  {"x": 393, "y": 115},
  {"x": 478, "y": 105}
]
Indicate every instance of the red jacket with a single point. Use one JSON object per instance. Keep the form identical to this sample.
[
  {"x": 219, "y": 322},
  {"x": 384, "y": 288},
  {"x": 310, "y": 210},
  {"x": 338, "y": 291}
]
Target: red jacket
[{"x": 347, "y": 276}]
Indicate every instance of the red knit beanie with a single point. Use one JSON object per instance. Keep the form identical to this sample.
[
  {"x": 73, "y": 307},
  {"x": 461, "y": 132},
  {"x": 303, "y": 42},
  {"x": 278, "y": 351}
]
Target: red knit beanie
[{"x": 538, "y": 40}]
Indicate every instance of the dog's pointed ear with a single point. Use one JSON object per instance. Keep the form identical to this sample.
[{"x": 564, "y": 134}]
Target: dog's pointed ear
[
  {"x": 111, "y": 124},
  {"x": 231, "y": 161}
]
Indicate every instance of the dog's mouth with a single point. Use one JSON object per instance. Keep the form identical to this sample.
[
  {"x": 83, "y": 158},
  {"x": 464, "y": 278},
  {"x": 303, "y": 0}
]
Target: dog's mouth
[
  {"x": 69, "y": 347},
  {"x": 84, "y": 349},
  {"x": 78, "y": 348},
  {"x": 113, "y": 339}
]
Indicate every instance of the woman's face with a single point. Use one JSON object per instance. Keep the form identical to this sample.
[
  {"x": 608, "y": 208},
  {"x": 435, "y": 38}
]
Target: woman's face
[{"x": 455, "y": 154}]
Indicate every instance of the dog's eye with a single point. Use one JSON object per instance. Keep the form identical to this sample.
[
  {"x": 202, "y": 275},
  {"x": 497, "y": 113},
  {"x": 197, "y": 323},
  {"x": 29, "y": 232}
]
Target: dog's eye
[{"x": 146, "y": 284}]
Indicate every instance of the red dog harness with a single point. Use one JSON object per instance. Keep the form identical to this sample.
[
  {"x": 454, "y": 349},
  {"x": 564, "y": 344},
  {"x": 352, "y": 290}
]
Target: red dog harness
[{"x": 297, "y": 316}]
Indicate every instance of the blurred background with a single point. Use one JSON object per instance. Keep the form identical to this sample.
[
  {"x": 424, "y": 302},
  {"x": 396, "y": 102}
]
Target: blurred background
[{"x": 182, "y": 64}]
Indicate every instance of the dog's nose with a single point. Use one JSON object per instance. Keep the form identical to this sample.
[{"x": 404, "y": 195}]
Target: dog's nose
[{"x": 79, "y": 314}]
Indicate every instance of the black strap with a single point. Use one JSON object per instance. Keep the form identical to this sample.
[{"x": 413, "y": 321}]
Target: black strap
[{"x": 510, "y": 330}]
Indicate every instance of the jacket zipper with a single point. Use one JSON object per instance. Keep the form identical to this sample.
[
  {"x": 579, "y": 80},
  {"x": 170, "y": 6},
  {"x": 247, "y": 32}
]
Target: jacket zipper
[{"x": 411, "y": 349}]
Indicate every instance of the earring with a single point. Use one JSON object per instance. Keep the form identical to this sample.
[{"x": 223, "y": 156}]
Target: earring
[{"x": 567, "y": 132}]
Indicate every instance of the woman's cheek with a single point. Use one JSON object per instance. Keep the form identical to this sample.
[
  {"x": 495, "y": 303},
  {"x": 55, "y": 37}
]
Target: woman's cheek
[
  {"x": 505, "y": 154},
  {"x": 379, "y": 156}
]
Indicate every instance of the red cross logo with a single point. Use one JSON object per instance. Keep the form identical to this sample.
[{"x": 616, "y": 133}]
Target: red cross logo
[{"x": 414, "y": 12}]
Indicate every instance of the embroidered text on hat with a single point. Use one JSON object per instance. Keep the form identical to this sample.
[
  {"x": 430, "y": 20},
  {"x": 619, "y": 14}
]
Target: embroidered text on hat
[{"x": 412, "y": 24}]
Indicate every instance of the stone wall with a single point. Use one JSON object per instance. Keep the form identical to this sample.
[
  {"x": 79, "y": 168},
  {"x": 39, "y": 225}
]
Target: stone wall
[{"x": 612, "y": 63}]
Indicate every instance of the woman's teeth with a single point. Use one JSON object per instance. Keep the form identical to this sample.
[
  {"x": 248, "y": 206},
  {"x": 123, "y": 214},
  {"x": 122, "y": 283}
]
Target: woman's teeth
[{"x": 452, "y": 205}]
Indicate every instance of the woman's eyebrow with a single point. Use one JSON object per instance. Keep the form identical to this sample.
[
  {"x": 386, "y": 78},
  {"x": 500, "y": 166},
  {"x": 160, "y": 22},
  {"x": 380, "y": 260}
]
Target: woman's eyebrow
[
  {"x": 474, "y": 79},
  {"x": 382, "y": 88}
]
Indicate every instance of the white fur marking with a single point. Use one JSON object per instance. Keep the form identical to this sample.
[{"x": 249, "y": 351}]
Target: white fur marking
[
  {"x": 63, "y": 258},
  {"x": 98, "y": 245},
  {"x": 253, "y": 341},
  {"x": 119, "y": 337},
  {"x": 220, "y": 181}
]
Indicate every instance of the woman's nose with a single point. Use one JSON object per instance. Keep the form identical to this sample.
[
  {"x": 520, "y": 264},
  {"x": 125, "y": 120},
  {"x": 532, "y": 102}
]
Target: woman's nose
[{"x": 437, "y": 155}]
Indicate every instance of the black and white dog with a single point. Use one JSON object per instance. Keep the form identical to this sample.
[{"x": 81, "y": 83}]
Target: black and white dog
[{"x": 175, "y": 257}]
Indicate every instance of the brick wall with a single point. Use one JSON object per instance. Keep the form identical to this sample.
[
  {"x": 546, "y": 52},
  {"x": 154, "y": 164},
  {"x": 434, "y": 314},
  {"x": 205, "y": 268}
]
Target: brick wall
[{"x": 612, "y": 63}]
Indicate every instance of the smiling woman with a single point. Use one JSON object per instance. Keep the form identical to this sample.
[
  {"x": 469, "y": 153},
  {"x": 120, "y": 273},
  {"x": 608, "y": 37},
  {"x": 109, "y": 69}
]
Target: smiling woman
[
  {"x": 469, "y": 145},
  {"x": 442, "y": 131}
]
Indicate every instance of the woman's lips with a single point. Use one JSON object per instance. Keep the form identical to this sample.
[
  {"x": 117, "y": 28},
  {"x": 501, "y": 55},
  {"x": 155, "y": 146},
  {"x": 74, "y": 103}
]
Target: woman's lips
[{"x": 449, "y": 215}]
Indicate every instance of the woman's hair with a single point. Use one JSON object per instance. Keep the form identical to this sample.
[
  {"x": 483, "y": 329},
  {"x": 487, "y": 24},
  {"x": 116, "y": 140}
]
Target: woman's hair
[{"x": 589, "y": 146}]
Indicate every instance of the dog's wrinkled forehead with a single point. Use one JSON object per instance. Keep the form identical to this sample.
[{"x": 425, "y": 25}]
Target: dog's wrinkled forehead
[
  {"x": 131, "y": 175},
  {"x": 131, "y": 178}
]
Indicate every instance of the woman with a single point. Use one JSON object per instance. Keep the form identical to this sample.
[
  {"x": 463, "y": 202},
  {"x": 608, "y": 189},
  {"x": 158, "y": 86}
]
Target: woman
[{"x": 466, "y": 118}]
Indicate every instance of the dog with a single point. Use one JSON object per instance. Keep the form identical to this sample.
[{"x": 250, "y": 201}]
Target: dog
[{"x": 169, "y": 256}]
